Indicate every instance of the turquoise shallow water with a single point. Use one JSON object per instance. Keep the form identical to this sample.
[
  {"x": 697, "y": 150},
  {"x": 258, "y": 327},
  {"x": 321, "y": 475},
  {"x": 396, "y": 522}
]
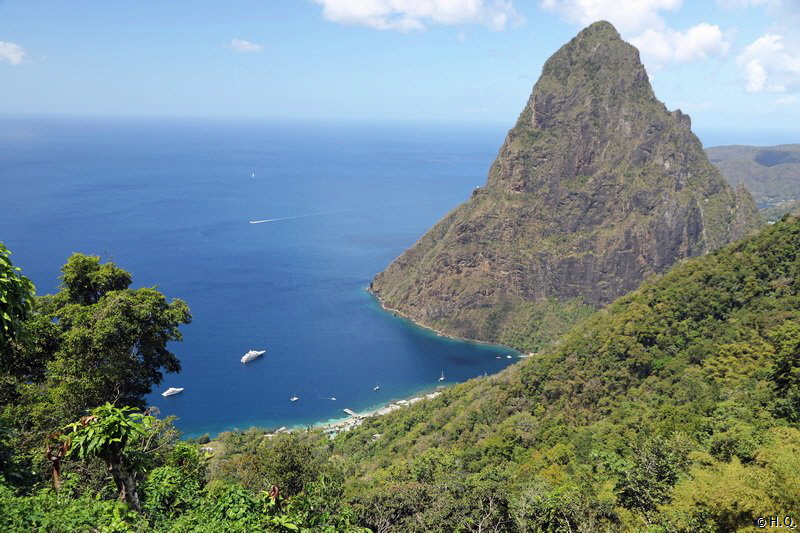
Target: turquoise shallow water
[{"x": 172, "y": 203}]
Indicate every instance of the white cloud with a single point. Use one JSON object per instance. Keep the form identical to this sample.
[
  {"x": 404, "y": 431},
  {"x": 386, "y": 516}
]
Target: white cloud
[
  {"x": 776, "y": 6},
  {"x": 770, "y": 64},
  {"x": 670, "y": 46},
  {"x": 789, "y": 99},
  {"x": 407, "y": 15},
  {"x": 641, "y": 23},
  {"x": 240, "y": 45},
  {"x": 739, "y": 4},
  {"x": 13, "y": 53},
  {"x": 627, "y": 17}
]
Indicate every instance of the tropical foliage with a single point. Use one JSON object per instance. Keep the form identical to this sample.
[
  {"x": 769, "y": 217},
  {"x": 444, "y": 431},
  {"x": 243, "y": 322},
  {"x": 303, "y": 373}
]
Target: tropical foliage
[
  {"x": 79, "y": 453},
  {"x": 674, "y": 409}
]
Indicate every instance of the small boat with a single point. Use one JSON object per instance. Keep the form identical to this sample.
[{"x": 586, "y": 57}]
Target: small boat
[
  {"x": 441, "y": 378},
  {"x": 332, "y": 398},
  {"x": 253, "y": 175},
  {"x": 294, "y": 398},
  {"x": 508, "y": 357},
  {"x": 172, "y": 390},
  {"x": 252, "y": 354},
  {"x": 376, "y": 387}
]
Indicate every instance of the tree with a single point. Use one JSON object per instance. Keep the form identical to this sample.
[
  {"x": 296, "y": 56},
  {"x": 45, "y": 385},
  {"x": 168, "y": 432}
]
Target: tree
[
  {"x": 785, "y": 370},
  {"x": 95, "y": 341},
  {"x": 112, "y": 340},
  {"x": 104, "y": 433},
  {"x": 16, "y": 299},
  {"x": 116, "y": 349},
  {"x": 85, "y": 280},
  {"x": 648, "y": 480}
]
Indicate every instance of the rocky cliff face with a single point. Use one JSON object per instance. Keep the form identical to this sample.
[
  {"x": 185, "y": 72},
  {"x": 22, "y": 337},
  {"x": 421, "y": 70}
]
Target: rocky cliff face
[{"x": 596, "y": 187}]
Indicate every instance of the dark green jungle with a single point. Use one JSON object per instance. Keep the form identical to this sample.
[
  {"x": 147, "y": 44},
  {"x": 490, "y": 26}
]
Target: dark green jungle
[{"x": 673, "y": 407}]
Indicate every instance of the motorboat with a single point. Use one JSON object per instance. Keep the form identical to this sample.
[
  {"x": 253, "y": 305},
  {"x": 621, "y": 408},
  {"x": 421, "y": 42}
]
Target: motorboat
[
  {"x": 252, "y": 354},
  {"x": 172, "y": 390}
]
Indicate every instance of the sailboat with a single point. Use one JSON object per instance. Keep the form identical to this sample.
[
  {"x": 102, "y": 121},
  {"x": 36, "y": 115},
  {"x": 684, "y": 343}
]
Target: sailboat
[
  {"x": 172, "y": 390},
  {"x": 442, "y": 376},
  {"x": 252, "y": 354}
]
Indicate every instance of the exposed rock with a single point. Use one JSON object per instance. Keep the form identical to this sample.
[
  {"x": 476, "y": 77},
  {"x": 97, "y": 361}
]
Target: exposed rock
[{"x": 596, "y": 187}]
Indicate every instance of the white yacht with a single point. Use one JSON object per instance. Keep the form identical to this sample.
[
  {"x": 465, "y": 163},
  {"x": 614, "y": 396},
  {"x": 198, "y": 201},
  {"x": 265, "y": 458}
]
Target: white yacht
[
  {"x": 172, "y": 390},
  {"x": 294, "y": 398},
  {"x": 252, "y": 354}
]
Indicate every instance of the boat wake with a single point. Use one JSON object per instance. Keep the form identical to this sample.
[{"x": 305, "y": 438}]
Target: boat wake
[{"x": 343, "y": 211}]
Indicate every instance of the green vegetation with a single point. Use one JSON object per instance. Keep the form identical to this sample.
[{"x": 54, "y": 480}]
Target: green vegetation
[
  {"x": 772, "y": 214},
  {"x": 16, "y": 299},
  {"x": 770, "y": 173},
  {"x": 676, "y": 408},
  {"x": 532, "y": 326},
  {"x": 673, "y": 409},
  {"x": 78, "y": 453}
]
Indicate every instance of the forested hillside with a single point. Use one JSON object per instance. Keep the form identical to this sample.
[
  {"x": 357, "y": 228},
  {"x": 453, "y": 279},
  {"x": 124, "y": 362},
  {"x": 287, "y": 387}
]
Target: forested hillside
[
  {"x": 674, "y": 409},
  {"x": 770, "y": 173}
]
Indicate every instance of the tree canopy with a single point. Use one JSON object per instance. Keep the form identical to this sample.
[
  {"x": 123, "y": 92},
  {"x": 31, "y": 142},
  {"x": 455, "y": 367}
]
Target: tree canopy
[
  {"x": 97, "y": 340},
  {"x": 16, "y": 299}
]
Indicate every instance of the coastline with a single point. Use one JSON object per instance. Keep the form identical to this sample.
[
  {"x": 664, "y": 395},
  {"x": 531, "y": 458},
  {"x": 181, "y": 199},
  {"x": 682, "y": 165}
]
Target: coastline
[
  {"x": 333, "y": 427},
  {"x": 402, "y": 315},
  {"x": 352, "y": 420}
]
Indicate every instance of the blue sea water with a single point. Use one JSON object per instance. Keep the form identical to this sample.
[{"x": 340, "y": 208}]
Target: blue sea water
[{"x": 171, "y": 202}]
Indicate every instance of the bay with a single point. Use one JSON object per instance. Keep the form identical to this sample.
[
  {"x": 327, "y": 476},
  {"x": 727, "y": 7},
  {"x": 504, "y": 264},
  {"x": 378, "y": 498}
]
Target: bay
[{"x": 172, "y": 200}]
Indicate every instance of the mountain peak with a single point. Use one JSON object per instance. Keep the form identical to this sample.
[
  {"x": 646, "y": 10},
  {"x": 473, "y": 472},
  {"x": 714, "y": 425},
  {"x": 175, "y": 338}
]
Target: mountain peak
[
  {"x": 600, "y": 28},
  {"x": 595, "y": 67},
  {"x": 596, "y": 187}
]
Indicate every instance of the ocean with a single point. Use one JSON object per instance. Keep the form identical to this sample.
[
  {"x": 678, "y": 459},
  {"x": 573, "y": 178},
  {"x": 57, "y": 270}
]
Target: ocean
[{"x": 172, "y": 202}]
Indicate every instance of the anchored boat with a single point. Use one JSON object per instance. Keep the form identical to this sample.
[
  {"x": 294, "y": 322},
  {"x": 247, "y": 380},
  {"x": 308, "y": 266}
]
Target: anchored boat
[{"x": 252, "y": 354}]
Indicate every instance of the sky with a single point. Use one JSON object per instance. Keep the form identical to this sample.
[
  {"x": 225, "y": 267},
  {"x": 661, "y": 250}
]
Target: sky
[{"x": 733, "y": 65}]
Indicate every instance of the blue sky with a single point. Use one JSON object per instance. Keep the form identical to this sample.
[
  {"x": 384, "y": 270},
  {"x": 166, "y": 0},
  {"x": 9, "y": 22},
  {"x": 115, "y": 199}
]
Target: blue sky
[{"x": 733, "y": 65}]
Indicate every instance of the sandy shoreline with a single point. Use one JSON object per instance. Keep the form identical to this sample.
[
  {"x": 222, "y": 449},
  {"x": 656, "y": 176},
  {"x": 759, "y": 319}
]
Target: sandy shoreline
[{"x": 355, "y": 419}]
